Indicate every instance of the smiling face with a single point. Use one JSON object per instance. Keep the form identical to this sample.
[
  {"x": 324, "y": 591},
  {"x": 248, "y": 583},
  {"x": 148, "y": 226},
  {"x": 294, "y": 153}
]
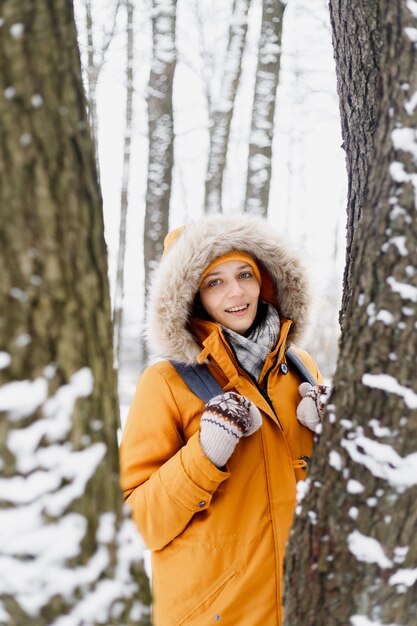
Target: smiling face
[{"x": 230, "y": 295}]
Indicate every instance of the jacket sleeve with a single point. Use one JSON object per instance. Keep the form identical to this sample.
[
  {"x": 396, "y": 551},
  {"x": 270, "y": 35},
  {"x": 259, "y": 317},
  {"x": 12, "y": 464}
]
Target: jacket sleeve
[{"x": 165, "y": 481}]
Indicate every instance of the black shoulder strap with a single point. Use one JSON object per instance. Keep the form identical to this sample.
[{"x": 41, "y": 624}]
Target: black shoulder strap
[
  {"x": 199, "y": 380},
  {"x": 299, "y": 367}
]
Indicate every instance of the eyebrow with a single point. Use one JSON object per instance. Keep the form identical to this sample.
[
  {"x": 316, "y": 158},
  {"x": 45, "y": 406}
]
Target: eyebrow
[{"x": 238, "y": 269}]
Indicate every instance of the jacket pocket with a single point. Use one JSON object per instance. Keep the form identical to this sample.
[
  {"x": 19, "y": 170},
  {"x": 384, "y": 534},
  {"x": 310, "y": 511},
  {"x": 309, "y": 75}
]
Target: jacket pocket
[{"x": 204, "y": 602}]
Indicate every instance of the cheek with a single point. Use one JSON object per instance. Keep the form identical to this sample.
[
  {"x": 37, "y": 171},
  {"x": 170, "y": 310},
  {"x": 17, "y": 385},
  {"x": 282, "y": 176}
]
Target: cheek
[
  {"x": 210, "y": 301},
  {"x": 255, "y": 291}
]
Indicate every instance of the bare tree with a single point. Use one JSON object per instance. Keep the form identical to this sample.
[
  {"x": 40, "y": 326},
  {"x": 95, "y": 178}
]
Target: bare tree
[
  {"x": 262, "y": 126},
  {"x": 161, "y": 131},
  {"x": 222, "y": 113},
  {"x": 68, "y": 554},
  {"x": 351, "y": 560},
  {"x": 95, "y": 60},
  {"x": 357, "y": 44},
  {"x": 124, "y": 199}
]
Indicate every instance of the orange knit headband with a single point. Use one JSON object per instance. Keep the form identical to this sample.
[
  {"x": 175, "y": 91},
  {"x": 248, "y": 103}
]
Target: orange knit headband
[{"x": 234, "y": 255}]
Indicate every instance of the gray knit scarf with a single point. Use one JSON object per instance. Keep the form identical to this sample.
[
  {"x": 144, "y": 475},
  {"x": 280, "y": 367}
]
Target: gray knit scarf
[{"x": 252, "y": 350}]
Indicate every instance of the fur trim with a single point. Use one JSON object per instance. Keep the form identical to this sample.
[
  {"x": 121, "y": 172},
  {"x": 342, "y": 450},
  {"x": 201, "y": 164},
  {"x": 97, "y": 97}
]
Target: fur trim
[{"x": 174, "y": 282}]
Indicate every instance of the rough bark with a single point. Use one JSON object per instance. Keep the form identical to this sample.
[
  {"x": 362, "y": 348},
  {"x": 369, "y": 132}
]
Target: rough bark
[
  {"x": 221, "y": 116},
  {"x": 68, "y": 550},
  {"x": 357, "y": 43},
  {"x": 160, "y": 131},
  {"x": 352, "y": 556},
  {"x": 124, "y": 199},
  {"x": 262, "y": 125}
]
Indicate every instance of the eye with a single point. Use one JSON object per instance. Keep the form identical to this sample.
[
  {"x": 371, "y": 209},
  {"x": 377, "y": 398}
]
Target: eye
[
  {"x": 245, "y": 275},
  {"x": 214, "y": 282}
]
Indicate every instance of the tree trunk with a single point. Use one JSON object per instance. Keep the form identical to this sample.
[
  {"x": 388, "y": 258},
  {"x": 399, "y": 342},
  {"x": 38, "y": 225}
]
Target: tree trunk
[
  {"x": 70, "y": 554},
  {"x": 357, "y": 44},
  {"x": 262, "y": 127},
  {"x": 124, "y": 200},
  {"x": 221, "y": 116},
  {"x": 351, "y": 559},
  {"x": 160, "y": 136}
]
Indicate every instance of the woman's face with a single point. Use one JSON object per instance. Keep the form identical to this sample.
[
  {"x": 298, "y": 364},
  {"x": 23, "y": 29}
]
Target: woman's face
[{"x": 230, "y": 295}]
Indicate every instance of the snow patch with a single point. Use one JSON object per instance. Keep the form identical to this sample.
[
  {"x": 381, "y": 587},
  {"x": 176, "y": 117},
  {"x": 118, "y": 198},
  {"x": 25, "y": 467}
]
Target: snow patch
[
  {"x": 335, "y": 460},
  {"x": 362, "y": 620},
  {"x": 22, "y": 398},
  {"x": 411, "y": 104},
  {"x": 412, "y": 6},
  {"x": 9, "y": 93},
  {"x": 383, "y": 461},
  {"x": 411, "y": 34},
  {"x": 5, "y": 360},
  {"x": 389, "y": 384},
  {"x": 384, "y": 316},
  {"x": 367, "y": 550},
  {"x": 37, "y": 101},
  {"x": 354, "y": 486},
  {"x": 353, "y": 512},
  {"x": 405, "y": 577},
  {"x": 380, "y": 431},
  {"x": 407, "y": 292},
  {"x": 398, "y": 242},
  {"x": 302, "y": 488},
  {"x": 17, "y": 30},
  {"x": 405, "y": 139}
]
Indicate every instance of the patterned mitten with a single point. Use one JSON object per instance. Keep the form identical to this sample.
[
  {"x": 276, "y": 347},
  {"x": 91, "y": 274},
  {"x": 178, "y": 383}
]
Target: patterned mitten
[
  {"x": 226, "y": 418},
  {"x": 310, "y": 409}
]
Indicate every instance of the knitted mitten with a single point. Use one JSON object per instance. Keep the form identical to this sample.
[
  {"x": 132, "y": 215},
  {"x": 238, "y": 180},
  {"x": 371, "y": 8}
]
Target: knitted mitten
[
  {"x": 226, "y": 418},
  {"x": 310, "y": 409}
]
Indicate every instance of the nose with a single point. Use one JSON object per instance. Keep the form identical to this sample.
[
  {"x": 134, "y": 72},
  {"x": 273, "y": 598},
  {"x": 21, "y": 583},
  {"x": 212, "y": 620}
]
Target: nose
[{"x": 235, "y": 288}]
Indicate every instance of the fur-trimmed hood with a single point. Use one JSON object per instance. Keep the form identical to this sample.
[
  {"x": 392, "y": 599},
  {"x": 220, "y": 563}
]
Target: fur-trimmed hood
[{"x": 174, "y": 283}]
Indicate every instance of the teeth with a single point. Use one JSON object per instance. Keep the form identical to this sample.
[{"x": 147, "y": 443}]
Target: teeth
[{"x": 237, "y": 308}]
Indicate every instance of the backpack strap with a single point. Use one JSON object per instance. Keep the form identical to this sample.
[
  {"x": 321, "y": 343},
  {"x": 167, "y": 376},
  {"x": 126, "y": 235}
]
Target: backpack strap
[
  {"x": 199, "y": 380},
  {"x": 300, "y": 369},
  {"x": 202, "y": 384}
]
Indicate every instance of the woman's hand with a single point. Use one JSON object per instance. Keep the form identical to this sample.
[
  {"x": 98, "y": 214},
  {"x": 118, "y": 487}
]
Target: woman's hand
[
  {"x": 310, "y": 409},
  {"x": 226, "y": 418}
]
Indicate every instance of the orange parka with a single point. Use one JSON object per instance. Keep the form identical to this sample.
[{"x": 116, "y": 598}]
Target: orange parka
[{"x": 217, "y": 535}]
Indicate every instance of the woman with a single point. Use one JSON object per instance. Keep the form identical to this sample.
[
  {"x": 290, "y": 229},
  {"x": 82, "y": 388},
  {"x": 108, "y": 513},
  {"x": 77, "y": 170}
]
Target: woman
[{"x": 212, "y": 487}]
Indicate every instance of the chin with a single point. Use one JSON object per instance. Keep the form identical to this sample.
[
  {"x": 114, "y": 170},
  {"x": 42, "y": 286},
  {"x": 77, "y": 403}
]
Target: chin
[{"x": 241, "y": 328}]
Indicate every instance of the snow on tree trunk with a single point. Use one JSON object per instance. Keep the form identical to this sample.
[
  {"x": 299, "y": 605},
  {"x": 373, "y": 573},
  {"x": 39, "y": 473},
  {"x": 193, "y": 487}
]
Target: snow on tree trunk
[
  {"x": 69, "y": 555},
  {"x": 118, "y": 299},
  {"x": 352, "y": 557},
  {"x": 161, "y": 131},
  {"x": 262, "y": 126},
  {"x": 221, "y": 116},
  {"x": 357, "y": 49}
]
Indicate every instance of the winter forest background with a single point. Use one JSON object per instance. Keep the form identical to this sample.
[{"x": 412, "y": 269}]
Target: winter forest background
[
  {"x": 174, "y": 107},
  {"x": 307, "y": 199}
]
